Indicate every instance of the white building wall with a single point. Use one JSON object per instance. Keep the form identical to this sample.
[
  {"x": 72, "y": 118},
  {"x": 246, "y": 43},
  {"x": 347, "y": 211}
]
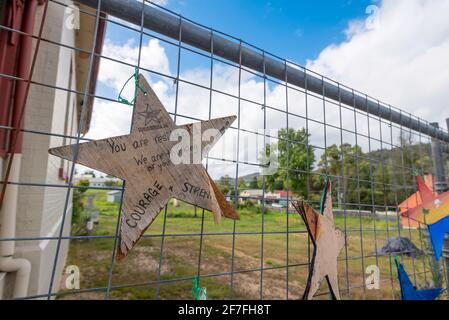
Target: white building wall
[{"x": 40, "y": 209}]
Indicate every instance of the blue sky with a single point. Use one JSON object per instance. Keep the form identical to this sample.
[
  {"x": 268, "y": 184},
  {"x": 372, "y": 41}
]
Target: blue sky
[
  {"x": 293, "y": 29},
  {"x": 297, "y": 30},
  {"x": 337, "y": 39}
]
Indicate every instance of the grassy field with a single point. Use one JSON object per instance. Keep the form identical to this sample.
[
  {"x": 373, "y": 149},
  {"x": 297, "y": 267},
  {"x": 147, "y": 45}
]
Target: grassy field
[{"x": 135, "y": 277}]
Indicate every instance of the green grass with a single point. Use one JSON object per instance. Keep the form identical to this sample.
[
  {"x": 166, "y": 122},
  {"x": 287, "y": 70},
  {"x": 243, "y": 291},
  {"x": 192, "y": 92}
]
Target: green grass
[{"x": 181, "y": 255}]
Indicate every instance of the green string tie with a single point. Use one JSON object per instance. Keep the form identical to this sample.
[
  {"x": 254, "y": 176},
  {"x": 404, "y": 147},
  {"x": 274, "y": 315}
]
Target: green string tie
[
  {"x": 396, "y": 260},
  {"x": 323, "y": 194},
  {"x": 198, "y": 293},
  {"x": 137, "y": 85}
]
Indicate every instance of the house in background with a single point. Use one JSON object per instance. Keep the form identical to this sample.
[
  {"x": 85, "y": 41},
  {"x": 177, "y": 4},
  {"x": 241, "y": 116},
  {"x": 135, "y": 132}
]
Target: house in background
[
  {"x": 277, "y": 199},
  {"x": 251, "y": 195},
  {"x": 94, "y": 181},
  {"x": 35, "y": 211},
  {"x": 114, "y": 196}
]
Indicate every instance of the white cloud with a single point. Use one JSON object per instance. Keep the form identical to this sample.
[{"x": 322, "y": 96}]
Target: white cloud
[
  {"x": 109, "y": 119},
  {"x": 114, "y": 74},
  {"x": 112, "y": 119},
  {"x": 401, "y": 59}
]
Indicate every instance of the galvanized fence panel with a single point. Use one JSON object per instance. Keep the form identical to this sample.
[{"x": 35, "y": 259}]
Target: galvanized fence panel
[{"x": 267, "y": 255}]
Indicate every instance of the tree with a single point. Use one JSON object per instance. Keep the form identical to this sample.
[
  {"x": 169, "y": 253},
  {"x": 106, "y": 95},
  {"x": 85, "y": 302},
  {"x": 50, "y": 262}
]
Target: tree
[
  {"x": 294, "y": 153},
  {"x": 83, "y": 183},
  {"x": 405, "y": 157},
  {"x": 351, "y": 170},
  {"x": 242, "y": 184},
  {"x": 78, "y": 205},
  {"x": 92, "y": 173},
  {"x": 381, "y": 177},
  {"x": 254, "y": 184},
  {"x": 110, "y": 183},
  {"x": 394, "y": 169},
  {"x": 225, "y": 184}
]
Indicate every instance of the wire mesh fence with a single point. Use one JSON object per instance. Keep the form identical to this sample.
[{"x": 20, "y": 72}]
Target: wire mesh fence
[{"x": 267, "y": 254}]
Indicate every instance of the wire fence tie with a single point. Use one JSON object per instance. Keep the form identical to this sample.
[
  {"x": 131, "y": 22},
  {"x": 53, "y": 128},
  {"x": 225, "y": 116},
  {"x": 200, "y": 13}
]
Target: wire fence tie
[
  {"x": 198, "y": 292},
  {"x": 324, "y": 194},
  {"x": 137, "y": 86}
]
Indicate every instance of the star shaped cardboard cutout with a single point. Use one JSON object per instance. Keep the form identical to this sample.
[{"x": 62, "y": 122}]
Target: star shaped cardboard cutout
[
  {"x": 434, "y": 212},
  {"x": 413, "y": 201},
  {"x": 327, "y": 242},
  {"x": 409, "y": 291},
  {"x": 143, "y": 160}
]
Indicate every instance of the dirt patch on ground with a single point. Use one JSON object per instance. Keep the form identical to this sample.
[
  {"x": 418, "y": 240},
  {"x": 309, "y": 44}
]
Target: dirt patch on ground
[
  {"x": 142, "y": 265},
  {"x": 145, "y": 260},
  {"x": 246, "y": 284},
  {"x": 83, "y": 296}
]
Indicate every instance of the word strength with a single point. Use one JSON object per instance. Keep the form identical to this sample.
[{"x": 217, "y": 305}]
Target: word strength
[{"x": 225, "y": 309}]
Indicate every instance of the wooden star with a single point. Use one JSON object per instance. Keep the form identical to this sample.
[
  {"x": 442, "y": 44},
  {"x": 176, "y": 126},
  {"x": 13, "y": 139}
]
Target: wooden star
[
  {"x": 432, "y": 210},
  {"x": 143, "y": 160},
  {"x": 150, "y": 116},
  {"x": 328, "y": 242}
]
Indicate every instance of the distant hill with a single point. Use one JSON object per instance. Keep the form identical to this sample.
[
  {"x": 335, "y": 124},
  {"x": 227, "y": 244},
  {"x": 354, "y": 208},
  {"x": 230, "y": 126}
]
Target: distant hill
[
  {"x": 420, "y": 154},
  {"x": 247, "y": 178},
  {"x": 250, "y": 177}
]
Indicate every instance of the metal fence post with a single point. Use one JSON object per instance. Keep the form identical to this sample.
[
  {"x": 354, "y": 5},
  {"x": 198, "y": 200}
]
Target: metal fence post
[
  {"x": 438, "y": 164},
  {"x": 446, "y": 243},
  {"x": 446, "y": 260},
  {"x": 439, "y": 186}
]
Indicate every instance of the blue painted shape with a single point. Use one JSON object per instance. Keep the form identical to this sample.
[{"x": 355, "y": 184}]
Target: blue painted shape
[
  {"x": 437, "y": 232},
  {"x": 409, "y": 291}
]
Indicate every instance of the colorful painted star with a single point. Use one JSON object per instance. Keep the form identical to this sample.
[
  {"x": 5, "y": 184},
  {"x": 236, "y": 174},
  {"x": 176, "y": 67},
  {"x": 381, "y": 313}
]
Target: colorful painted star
[
  {"x": 328, "y": 242},
  {"x": 411, "y": 202},
  {"x": 432, "y": 211}
]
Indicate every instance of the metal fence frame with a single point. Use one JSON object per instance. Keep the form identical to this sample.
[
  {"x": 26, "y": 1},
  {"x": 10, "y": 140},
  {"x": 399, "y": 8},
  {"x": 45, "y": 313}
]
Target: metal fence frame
[{"x": 220, "y": 47}]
